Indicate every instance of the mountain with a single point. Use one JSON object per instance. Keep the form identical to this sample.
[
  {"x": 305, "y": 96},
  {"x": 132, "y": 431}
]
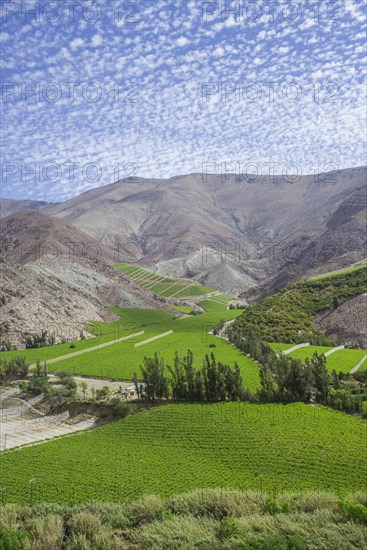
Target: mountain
[
  {"x": 342, "y": 243},
  {"x": 11, "y": 206},
  {"x": 55, "y": 277},
  {"x": 235, "y": 232},
  {"x": 346, "y": 323}
]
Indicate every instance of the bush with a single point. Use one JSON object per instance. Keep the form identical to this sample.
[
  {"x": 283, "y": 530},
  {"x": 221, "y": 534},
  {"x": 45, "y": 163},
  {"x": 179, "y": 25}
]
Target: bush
[
  {"x": 212, "y": 345},
  {"x": 12, "y": 540},
  {"x": 120, "y": 409},
  {"x": 228, "y": 529},
  {"x": 84, "y": 523},
  {"x": 39, "y": 340},
  {"x": 278, "y": 542},
  {"x": 146, "y": 510},
  {"x": 274, "y": 507},
  {"x": 354, "y": 511},
  {"x": 46, "y": 532}
]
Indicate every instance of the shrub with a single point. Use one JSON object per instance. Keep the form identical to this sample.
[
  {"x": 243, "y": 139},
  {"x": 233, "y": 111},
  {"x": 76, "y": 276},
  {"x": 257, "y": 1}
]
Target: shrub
[
  {"x": 12, "y": 540},
  {"x": 120, "y": 409},
  {"x": 354, "y": 511},
  {"x": 277, "y": 542},
  {"x": 78, "y": 542},
  {"x": 46, "y": 532},
  {"x": 273, "y": 507},
  {"x": 146, "y": 510},
  {"x": 228, "y": 529},
  {"x": 84, "y": 523}
]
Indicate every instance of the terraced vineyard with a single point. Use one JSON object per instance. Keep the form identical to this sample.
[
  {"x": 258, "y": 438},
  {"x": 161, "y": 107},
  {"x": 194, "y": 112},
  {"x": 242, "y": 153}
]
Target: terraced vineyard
[
  {"x": 168, "y": 287},
  {"x": 216, "y": 302},
  {"x": 175, "y": 448}
]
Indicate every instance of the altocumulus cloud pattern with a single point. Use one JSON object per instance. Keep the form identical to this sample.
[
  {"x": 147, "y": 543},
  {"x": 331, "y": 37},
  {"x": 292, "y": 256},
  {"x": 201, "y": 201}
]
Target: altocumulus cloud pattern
[{"x": 97, "y": 91}]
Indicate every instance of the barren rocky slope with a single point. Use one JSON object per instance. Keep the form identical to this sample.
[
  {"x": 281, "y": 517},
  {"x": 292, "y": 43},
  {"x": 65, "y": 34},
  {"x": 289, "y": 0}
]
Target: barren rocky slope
[
  {"x": 54, "y": 277},
  {"x": 11, "y": 206},
  {"x": 250, "y": 223},
  {"x": 346, "y": 323},
  {"x": 342, "y": 243}
]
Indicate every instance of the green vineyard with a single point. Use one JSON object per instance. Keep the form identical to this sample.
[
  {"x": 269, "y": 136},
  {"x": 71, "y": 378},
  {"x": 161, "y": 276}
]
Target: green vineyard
[{"x": 175, "y": 448}]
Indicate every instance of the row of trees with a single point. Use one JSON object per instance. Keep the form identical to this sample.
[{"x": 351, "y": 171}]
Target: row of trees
[
  {"x": 283, "y": 378},
  {"x": 40, "y": 340},
  {"x": 214, "y": 381},
  {"x": 17, "y": 366}
]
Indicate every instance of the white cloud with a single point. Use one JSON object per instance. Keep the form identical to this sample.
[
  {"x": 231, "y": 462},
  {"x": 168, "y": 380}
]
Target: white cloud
[
  {"x": 97, "y": 40},
  {"x": 182, "y": 41},
  {"x": 76, "y": 43}
]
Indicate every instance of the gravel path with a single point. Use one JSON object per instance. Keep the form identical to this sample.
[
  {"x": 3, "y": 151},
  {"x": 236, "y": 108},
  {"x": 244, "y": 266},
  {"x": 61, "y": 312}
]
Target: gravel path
[
  {"x": 153, "y": 338},
  {"x": 354, "y": 369}
]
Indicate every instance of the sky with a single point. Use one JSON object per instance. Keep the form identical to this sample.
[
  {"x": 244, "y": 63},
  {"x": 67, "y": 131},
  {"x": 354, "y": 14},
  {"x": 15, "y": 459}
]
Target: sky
[{"x": 93, "y": 92}]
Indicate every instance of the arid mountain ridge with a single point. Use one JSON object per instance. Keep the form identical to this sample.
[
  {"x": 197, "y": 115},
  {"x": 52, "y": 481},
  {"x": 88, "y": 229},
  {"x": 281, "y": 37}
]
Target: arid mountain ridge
[
  {"x": 54, "y": 277},
  {"x": 241, "y": 236}
]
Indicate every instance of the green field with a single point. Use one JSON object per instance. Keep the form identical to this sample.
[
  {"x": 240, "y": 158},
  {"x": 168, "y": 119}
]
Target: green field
[
  {"x": 218, "y": 302},
  {"x": 308, "y": 351},
  {"x": 168, "y": 287},
  {"x": 179, "y": 447},
  {"x": 130, "y": 321},
  {"x": 123, "y": 359},
  {"x": 342, "y": 360},
  {"x": 345, "y": 359},
  {"x": 277, "y": 347},
  {"x": 182, "y": 309}
]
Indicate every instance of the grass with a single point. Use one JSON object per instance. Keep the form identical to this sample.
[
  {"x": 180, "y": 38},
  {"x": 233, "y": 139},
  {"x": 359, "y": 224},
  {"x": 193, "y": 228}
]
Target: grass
[
  {"x": 206, "y": 519},
  {"x": 130, "y": 321},
  {"x": 308, "y": 351},
  {"x": 121, "y": 360},
  {"x": 277, "y": 347},
  {"x": 180, "y": 447},
  {"x": 182, "y": 309},
  {"x": 342, "y": 360},
  {"x": 345, "y": 359},
  {"x": 168, "y": 287}
]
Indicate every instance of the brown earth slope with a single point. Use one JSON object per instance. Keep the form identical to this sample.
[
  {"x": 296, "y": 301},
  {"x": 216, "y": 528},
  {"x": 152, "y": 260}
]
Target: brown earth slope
[
  {"x": 249, "y": 224},
  {"x": 346, "y": 323},
  {"x": 54, "y": 277}
]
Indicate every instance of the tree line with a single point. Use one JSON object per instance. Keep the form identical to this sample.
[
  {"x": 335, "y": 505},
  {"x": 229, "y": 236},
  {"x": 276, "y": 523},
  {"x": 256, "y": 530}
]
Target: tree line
[
  {"x": 17, "y": 366},
  {"x": 285, "y": 379},
  {"x": 182, "y": 381}
]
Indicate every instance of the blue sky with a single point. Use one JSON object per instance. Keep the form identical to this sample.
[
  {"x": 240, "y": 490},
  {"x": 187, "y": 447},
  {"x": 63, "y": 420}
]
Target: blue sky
[{"x": 158, "y": 88}]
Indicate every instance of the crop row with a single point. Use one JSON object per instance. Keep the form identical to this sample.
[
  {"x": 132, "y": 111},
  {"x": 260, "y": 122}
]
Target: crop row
[{"x": 175, "y": 448}]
